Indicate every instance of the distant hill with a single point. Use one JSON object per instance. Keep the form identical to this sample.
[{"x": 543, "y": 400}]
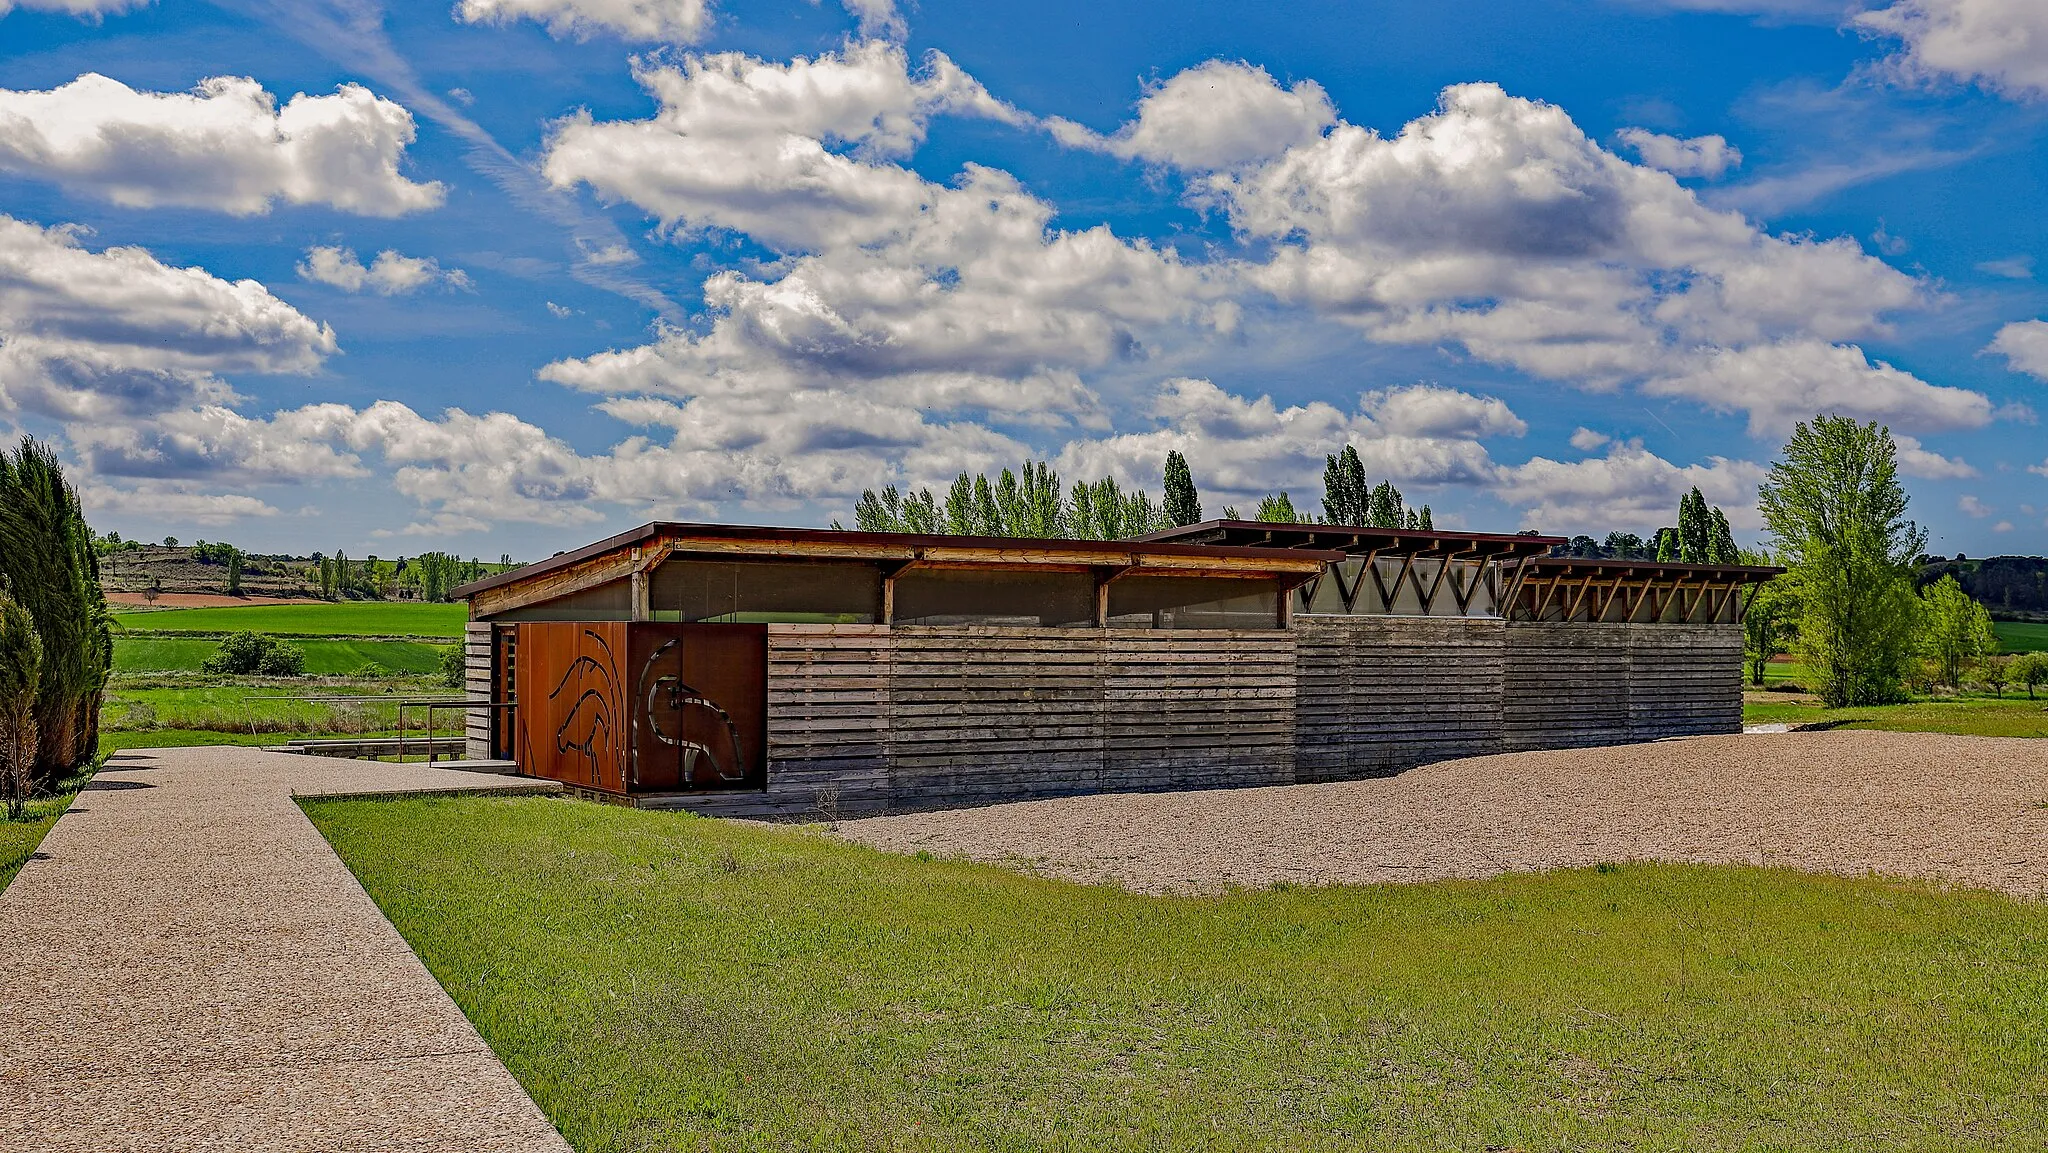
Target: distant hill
[
  {"x": 2014, "y": 587},
  {"x": 135, "y": 568}
]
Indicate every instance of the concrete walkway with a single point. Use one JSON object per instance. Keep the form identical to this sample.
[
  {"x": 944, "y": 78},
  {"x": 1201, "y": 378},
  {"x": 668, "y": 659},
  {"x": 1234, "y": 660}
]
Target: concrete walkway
[{"x": 188, "y": 966}]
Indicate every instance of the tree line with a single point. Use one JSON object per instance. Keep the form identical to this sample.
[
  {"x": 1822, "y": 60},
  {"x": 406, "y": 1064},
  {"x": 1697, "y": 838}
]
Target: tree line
[
  {"x": 1033, "y": 502},
  {"x": 1701, "y": 536},
  {"x": 56, "y": 641}
]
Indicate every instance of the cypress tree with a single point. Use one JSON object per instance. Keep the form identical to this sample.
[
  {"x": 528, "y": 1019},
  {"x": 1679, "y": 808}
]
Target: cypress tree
[
  {"x": 1427, "y": 525},
  {"x": 1724, "y": 550},
  {"x": 48, "y": 564},
  {"x": 1183, "y": 505},
  {"x": 21, "y": 673}
]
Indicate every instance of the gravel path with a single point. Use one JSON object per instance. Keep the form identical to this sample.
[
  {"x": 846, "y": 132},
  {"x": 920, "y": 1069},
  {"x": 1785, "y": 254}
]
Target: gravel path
[
  {"x": 1969, "y": 810},
  {"x": 190, "y": 967}
]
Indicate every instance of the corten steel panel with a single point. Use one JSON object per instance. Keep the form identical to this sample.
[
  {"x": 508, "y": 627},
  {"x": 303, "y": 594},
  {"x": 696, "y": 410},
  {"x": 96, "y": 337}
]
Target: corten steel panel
[
  {"x": 700, "y": 706},
  {"x": 573, "y": 702}
]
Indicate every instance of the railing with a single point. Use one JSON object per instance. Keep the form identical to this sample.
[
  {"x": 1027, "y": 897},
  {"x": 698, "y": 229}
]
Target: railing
[{"x": 432, "y": 705}]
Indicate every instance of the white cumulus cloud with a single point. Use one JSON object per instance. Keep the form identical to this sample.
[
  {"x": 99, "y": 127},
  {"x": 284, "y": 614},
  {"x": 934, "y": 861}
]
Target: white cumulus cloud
[
  {"x": 113, "y": 335},
  {"x": 670, "y": 21},
  {"x": 390, "y": 274},
  {"x": 1213, "y": 116},
  {"x": 1629, "y": 488},
  {"x": 2024, "y": 344},
  {"x": 1708, "y": 156},
  {"x": 83, "y": 9},
  {"x": 2000, "y": 44},
  {"x": 226, "y": 145}
]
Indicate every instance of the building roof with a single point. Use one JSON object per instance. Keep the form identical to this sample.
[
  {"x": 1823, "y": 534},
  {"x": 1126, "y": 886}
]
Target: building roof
[
  {"x": 1357, "y": 539},
  {"x": 1579, "y": 568},
  {"x": 640, "y": 549}
]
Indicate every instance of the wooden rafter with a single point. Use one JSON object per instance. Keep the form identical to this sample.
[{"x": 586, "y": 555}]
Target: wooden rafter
[{"x": 1578, "y": 597}]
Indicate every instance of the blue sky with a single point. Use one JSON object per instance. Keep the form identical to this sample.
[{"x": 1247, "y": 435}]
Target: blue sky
[{"x": 1545, "y": 264}]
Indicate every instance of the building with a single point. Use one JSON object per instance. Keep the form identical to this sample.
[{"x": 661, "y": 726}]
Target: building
[{"x": 742, "y": 669}]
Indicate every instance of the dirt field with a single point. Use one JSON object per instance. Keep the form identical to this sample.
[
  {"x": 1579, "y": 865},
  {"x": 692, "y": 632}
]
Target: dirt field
[
  {"x": 1968, "y": 810},
  {"x": 201, "y": 601}
]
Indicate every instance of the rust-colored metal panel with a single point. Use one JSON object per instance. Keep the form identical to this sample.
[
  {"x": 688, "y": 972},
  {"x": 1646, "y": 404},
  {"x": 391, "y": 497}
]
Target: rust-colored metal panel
[
  {"x": 700, "y": 707},
  {"x": 574, "y": 702}
]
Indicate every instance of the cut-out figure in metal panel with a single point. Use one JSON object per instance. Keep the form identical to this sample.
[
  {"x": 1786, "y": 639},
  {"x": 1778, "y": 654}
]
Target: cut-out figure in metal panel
[
  {"x": 669, "y": 692},
  {"x": 589, "y": 725}
]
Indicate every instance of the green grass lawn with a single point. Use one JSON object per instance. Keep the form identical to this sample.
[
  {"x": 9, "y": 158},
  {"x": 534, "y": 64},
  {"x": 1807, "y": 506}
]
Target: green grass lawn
[
  {"x": 2020, "y": 636},
  {"x": 659, "y": 981},
  {"x": 1974, "y": 716},
  {"x": 18, "y": 839},
  {"x": 346, "y": 618},
  {"x": 323, "y": 657}
]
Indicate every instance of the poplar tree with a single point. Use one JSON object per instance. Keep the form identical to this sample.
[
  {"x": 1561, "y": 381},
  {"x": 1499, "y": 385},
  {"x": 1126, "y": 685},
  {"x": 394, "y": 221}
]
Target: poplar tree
[
  {"x": 1347, "y": 499},
  {"x": 1277, "y": 510},
  {"x": 1183, "y": 504}
]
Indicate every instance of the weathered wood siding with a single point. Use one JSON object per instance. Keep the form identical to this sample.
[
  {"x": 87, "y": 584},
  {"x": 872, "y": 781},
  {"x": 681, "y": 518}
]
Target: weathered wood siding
[
  {"x": 1381, "y": 694},
  {"x": 1572, "y": 685},
  {"x": 862, "y": 717},
  {"x": 476, "y": 686}
]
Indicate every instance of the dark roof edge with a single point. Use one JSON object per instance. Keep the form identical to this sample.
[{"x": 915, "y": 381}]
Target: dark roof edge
[
  {"x": 1166, "y": 536},
  {"x": 656, "y": 529}
]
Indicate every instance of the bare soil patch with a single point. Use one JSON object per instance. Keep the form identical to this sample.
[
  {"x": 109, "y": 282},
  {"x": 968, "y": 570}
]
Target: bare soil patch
[{"x": 1966, "y": 810}]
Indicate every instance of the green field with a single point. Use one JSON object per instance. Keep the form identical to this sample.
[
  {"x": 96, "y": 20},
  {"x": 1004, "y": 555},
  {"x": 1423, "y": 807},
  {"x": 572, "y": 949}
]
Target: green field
[
  {"x": 201, "y": 707},
  {"x": 2012, "y": 716},
  {"x": 659, "y": 981},
  {"x": 148, "y": 654},
  {"x": 2021, "y": 636},
  {"x": 346, "y": 618}
]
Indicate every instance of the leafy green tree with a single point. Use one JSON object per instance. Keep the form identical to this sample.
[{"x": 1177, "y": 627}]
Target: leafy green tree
[
  {"x": 2031, "y": 671},
  {"x": 1955, "y": 631},
  {"x": 957, "y": 516},
  {"x": 1837, "y": 514},
  {"x": 244, "y": 654},
  {"x": 21, "y": 676},
  {"x": 1277, "y": 510},
  {"x": 1183, "y": 504},
  {"x": 234, "y": 571},
  {"x": 1771, "y": 625},
  {"x": 1666, "y": 548},
  {"x": 1997, "y": 673},
  {"x": 1384, "y": 508},
  {"x": 452, "y": 667},
  {"x": 1424, "y": 521},
  {"x": 1347, "y": 498},
  {"x": 49, "y": 565}
]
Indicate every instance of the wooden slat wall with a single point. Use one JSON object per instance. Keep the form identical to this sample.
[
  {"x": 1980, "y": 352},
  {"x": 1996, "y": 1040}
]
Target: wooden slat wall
[
  {"x": 1383, "y": 694},
  {"x": 476, "y": 686},
  {"x": 1684, "y": 680},
  {"x": 1187, "y": 708},
  {"x": 828, "y": 715},
  {"x": 1580, "y": 684},
  {"x": 862, "y": 717}
]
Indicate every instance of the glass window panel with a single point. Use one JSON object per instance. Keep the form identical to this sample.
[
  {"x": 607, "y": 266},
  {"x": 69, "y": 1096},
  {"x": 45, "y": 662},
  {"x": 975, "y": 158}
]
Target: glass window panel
[
  {"x": 1173, "y": 602},
  {"x": 995, "y": 597},
  {"x": 771, "y": 592}
]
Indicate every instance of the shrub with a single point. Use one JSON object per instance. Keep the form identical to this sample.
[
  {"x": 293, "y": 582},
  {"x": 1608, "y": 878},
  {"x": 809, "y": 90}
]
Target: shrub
[
  {"x": 245, "y": 653},
  {"x": 452, "y": 667}
]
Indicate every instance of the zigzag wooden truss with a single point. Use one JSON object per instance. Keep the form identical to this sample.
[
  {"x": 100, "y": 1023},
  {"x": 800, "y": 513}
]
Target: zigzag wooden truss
[{"x": 1630, "y": 592}]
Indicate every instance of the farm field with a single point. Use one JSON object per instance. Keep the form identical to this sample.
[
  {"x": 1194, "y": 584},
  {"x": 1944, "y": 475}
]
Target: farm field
[
  {"x": 347, "y": 618},
  {"x": 147, "y": 654},
  {"x": 2021, "y": 636},
  {"x": 662, "y": 981}
]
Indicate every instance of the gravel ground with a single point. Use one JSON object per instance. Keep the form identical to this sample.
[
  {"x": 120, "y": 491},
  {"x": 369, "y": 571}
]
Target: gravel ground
[{"x": 1967, "y": 810}]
